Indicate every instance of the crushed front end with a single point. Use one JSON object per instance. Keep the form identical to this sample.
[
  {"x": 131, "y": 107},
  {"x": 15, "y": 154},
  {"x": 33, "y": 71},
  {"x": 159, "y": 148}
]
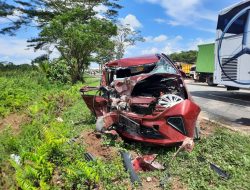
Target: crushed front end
[{"x": 144, "y": 99}]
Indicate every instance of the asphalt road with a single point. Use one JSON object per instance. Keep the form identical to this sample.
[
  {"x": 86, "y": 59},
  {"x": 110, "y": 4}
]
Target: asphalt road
[{"x": 229, "y": 107}]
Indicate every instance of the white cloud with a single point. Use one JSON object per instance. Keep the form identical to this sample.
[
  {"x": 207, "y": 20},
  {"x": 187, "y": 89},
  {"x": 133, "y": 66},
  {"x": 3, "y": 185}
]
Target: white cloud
[
  {"x": 160, "y": 20},
  {"x": 101, "y": 8},
  {"x": 207, "y": 29},
  {"x": 150, "y": 51},
  {"x": 160, "y": 38},
  {"x": 132, "y": 21},
  {"x": 170, "y": 45},
  {"x": 157, "y": 39},
  {"x": 193, "y": 44},
  {"x": 184, "y": 12},
  {"x": 15, "y": 50},
  {"x": 167, "y": 45}
]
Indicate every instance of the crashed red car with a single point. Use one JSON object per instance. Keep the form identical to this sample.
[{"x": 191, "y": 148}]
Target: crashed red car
[{"x": 144, "y": 99}]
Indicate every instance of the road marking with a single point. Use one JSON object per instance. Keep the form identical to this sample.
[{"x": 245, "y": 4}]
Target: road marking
[
  {"x": 248, "y": 102},
  {"x": 226, "y": 103}
]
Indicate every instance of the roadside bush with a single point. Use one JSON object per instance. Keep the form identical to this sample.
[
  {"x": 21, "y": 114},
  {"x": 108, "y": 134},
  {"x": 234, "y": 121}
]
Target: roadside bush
[{"x": 57, "y": 70}]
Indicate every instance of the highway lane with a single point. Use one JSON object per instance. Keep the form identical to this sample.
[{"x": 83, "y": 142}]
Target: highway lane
[{"x": 229, "y": 107}]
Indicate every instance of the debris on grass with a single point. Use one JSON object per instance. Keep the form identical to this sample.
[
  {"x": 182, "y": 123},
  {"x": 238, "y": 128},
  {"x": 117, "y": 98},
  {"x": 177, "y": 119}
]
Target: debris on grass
[
  {"x": 89, "y": 157},
  {"x": 146, "y": 163},
  {"x": 16, "y": 158},
  {"x": 129, "y": 167},
  {"x": 215, "y": 168},
  {"x": 59, "y": 119},
  {"x": 187, "y": 145}
]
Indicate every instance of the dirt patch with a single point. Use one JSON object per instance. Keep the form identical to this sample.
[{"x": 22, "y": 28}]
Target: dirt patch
[
  {"x": 206, "y": 128},
  {"x": 57, "y": 178},
  {"x": 14, "y": 121},
  {"x": 177, "y": 185},
  {"x": 94, "y": 145},
  {"x": 152, "y": 184}
]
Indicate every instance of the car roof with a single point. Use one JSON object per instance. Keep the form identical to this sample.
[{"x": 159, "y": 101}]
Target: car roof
[{"x": 133, "y": 61}]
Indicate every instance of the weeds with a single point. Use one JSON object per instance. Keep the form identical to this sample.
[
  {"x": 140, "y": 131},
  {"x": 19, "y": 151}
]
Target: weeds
[
  {"x": 50, "y": 159},
  {"x": 44, "y": 145}
]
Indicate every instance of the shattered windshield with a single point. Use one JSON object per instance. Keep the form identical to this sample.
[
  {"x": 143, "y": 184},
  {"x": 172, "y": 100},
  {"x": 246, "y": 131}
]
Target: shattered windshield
[{"x": 162, "y": 66}]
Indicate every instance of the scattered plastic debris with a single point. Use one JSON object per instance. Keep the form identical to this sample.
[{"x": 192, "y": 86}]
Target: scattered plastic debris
[
  {"x": 59, "y": 119},
  {"x": 215, "y": 168},
  {"x": 149, "y": 179},
  {"x": 146, "y": 163},
  {"x": 187, "y": 145},
  {"x": 89, "y": 157},
  {"x": 112, "y": 133},
  {"x": 129, "y": 167},
  {"x": 219, "y": 171},
  {"x": 16, "y": 158}
]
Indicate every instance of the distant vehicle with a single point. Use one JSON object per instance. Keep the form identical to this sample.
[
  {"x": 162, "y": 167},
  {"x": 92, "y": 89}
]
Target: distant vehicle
[
  {"x": 192, "y": 71},
  {"x": 227, "y": 61},
  {"x": 232, "y": 47},
  {"x": 205, "y": 64},
  {"x": 185, "y": 67},
  {"x": 144, "y": 99}
]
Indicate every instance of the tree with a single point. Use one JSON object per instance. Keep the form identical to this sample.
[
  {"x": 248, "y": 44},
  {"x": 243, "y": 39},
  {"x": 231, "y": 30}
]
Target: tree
[
  {"x": 126, "y": 37},
  {"x": 40, "y": 59},
  {"x": 105, "y": 55},
  {"x": 77, "y": 41},
  {"x": 71, "y": 26},
  {"x": 185, "y": 56},
  {"x": 43, "y": 11}
]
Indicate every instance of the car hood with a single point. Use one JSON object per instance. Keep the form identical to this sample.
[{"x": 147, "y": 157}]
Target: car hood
[{"x": 126, "y": 85}]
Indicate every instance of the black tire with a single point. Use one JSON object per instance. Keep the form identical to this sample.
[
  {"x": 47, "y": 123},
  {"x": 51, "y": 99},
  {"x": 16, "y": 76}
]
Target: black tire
[{"x": 210, "y": 81}]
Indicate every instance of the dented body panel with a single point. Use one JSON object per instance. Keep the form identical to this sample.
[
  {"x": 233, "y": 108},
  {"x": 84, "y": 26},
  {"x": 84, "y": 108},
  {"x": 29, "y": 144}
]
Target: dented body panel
[{"x": 144, "y": 99}]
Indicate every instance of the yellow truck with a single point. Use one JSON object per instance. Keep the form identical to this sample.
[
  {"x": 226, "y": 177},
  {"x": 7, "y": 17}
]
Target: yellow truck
[{"x": 185, "y": 67}]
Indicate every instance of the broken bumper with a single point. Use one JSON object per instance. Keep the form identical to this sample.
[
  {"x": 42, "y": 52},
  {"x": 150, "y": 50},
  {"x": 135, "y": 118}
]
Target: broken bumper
[{"x": 167, "y": 128}]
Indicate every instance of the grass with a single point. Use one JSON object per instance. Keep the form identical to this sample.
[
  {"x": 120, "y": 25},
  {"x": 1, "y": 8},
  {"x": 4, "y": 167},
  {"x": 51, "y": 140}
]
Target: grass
[{"x": 51, "y": 159}]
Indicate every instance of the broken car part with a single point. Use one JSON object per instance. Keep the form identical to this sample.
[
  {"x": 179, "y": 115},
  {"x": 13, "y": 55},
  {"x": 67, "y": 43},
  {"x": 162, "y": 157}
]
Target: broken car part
[
  {"x": 146, "y": 163},
  {"x": 89, "y": 157},
  {"x": 215, "y": 168},
  {"x": 187, "y": 145},
  {"x": 129, "y": 167},
  {"x": 144, "y": 99}
]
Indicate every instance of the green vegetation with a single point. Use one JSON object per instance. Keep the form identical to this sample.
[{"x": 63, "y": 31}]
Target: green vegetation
[
  {"x": 230, "y": 151},
  {"x": 52, "y": 152},
  {"x": 185, "y": 56},
  {"x": 49, "y": 158},
  {"x": 74, "y": 28}
]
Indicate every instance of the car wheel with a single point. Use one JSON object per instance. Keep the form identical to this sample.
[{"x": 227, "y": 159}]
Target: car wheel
[{"x": 210, "y": 81}]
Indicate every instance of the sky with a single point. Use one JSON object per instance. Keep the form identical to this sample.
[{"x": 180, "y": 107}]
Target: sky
[{"x": 167, "y": 25}]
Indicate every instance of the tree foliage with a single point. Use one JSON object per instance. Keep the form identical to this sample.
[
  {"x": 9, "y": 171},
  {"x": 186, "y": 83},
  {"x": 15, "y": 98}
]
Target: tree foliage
[
  {"x": 70, "y": 26},
  {"x": 185, "y": 56},
  {"x": 43, "y": 11},
  {"x": 77, "y": 40},
  {"x": 126, "y": 36}
]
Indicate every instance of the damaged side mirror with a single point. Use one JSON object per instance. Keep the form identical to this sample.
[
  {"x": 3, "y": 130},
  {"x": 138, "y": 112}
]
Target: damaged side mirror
[{"x": 183, "y": 75}]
